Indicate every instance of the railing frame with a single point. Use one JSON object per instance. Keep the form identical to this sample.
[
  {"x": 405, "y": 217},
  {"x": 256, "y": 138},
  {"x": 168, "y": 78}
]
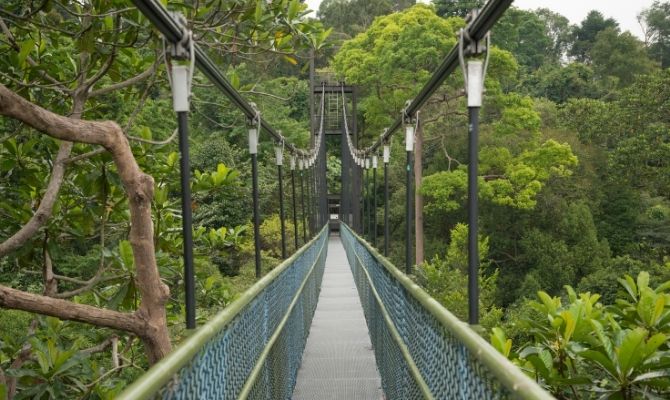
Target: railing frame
[
  {"x": 158, "y": 376},
  {"x": 509, "y": 375}
]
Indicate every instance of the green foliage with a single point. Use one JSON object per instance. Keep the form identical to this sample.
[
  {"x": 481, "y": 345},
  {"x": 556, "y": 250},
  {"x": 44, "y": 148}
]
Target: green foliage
[
  {"x": 271, "y": 235},
  {"x": 584, "y": 35},
  {"x": 582, "y": 348},
  {"x": 446, "y": 279},
  {"x": 658, "y": 25},
  {"x": 354, "y": 16},
  {"x": 619, "y": 56},
  {"x": 400, "y": 47}
]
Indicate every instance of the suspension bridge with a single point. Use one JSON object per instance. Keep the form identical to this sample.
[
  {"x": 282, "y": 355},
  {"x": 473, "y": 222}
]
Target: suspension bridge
[{"x": 335, "y": 320}]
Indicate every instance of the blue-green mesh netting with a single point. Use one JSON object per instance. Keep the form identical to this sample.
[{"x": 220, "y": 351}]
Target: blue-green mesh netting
[
  {"x": 221, "y": 368},
  {"x": 446, "y": 365}
]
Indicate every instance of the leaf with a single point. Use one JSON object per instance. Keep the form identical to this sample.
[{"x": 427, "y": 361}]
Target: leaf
[
  {"x": 259, "y": 11},
  {"x": 631, "y": 350},
  {"x": 570, "y": 324},
  {"x": 119, "y": 296},
  {"x": 602, "y": 360},
  {"x": 651, "y": 375},
  {"x": 291, "y": 60},
  {"x": 126, "y": 253},
  {"x": 26, "y": 47},
  {"x": 604, "y": 340},
  {"x": 643, "y": 280},
  {"x": 630, "y": 286},
  {"x": 235, "y": 80},
  {"x": 145, "y": 133},
  {"x": 500, "y": 341},
  {"x": 548, "y": 302}
]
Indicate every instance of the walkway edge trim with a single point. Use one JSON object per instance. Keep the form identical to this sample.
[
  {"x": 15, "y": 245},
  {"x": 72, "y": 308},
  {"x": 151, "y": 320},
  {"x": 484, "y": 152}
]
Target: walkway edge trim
[
  {"x": 511, "y": 376},
  {"x": 158, "y": 375}
]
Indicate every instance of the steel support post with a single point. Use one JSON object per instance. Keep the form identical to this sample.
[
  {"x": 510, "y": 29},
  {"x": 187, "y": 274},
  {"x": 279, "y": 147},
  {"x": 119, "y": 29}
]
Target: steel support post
[
  {"x": 475, "y": 86},
  {"x": 374, "y": 201},
  {"x": 281, "y": 211},
  {"x": 409, "y": 146},
  {"x": 295, "y": 208},
  {"x": 187, "y": 219}
]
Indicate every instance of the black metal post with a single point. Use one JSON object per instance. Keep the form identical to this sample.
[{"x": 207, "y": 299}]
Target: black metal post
[
  {"x": 408, "y": 216},
  {"x": 295, "y": 209},
  {"x": 187, "y": 219},
  {"x": 364, "y": 199},
  {"x": 257, "y": 216},
  {"x": 302, "y": 203},
  {"x": 281, "y": 211},
  {"x": 374, "y": 206},
  {"x": 473, "y": 248},
  {"x": 386, "y": 210},
  {"x": 310, "y": 209}
]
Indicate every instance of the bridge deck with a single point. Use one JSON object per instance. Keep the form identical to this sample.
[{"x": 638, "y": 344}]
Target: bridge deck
[{"x": 338, "y": 362}]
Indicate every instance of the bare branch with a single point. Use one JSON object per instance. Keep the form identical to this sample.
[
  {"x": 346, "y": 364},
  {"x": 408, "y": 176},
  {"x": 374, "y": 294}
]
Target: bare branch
[
  {"x": 128, "y": 82},
  {"x": 20, "y": 300},
  {"x": 46, "y": 205}
]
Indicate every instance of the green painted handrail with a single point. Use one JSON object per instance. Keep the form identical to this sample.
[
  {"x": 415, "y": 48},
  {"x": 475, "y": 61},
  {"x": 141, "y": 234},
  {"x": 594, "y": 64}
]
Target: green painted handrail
[
  {"x": 160, "y": 374},
  {"x": 509, "y": 375}
]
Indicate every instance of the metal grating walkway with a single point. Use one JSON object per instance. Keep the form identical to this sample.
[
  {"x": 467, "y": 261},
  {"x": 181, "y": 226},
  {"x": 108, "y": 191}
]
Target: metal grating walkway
[{"x": 338, "y": 362}]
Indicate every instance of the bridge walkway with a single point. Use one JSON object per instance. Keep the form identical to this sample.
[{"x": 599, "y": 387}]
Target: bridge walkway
[{"x": 338, "y": 361}]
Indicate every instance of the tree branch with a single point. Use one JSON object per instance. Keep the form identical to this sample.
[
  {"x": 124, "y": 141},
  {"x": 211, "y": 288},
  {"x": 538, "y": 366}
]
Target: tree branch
[
  {"x": 20, "y": 300},
  {"x": 128, "y": 82},
  {"x": 45, "y": 208}
]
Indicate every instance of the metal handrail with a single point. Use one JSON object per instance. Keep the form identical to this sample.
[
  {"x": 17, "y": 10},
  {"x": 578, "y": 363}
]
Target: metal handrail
[
  {"x": 160, "y": 374},
  {"x": 510, "y": 376}
]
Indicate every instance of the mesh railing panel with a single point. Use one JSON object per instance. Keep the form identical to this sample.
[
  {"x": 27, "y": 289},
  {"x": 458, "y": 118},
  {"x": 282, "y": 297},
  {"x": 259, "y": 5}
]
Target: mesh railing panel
[
  {"x": 448, "y": 368},
  {"x": 223, "y": 365}
]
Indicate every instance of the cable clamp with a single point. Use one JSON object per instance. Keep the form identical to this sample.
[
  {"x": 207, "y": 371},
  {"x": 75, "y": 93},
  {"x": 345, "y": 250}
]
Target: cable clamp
[{"x": 180, "y": 76}]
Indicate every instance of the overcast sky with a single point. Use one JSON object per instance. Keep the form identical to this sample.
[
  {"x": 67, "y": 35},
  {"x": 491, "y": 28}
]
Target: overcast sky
[{"x": 624, "y": 11}]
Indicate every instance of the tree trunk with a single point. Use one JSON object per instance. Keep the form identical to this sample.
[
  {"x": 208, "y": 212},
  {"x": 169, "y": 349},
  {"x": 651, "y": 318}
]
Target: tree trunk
[
  {"x": 149, "y": 321},
  {"x": 418, "y": 198}
]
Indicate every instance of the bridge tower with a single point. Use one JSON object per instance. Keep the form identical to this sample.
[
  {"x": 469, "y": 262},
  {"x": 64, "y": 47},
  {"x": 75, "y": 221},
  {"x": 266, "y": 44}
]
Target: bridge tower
[{"x": 345, "y": 204}]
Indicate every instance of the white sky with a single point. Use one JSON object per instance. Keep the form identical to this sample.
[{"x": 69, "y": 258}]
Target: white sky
[{"x": 623, "y": 11}]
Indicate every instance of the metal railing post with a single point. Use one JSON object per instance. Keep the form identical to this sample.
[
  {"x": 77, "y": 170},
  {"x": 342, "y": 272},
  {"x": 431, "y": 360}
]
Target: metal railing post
[
  {"x": 409, "y": 146},
  {"x": 279, "y": 156},
  {"x": 295, "y": 208},
  {"x": 387, "y": 157},
  {"x": 253, "y": 150}
]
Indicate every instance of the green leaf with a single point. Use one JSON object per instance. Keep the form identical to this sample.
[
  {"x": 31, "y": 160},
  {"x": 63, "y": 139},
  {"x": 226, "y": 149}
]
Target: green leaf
[
  {"x": 145, "y": 133},
  {"x": 293, "y": 9},
  {"x": 26, "y": 47},
  {"x": 126, "y": 253},
  {"x": 548, "y": 302},
  {"x": 291, "y": 60},
  {"x": 631, "y": 350},
  {"x": 651, "y": 375},
  {"x": 235, "y": 80},
  {"x": 500, "y": 341},
  {"x": 570, "y": 324},
  {"x": 602, "y": 360},
  {"x": 119, "y": 296},
  {"x": 259, "y": 11},
  {"x": 643, "y": 280}
]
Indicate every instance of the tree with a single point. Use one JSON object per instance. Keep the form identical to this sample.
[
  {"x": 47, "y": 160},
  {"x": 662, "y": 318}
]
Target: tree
[
  {"x": 354, "y": 16},
  {"x": 620, "y": 56},
  {"x": 456, "y": 8},
  {"x": 584, "y": 35},
  {"x": 657, "y": 19},
  {"x": 526, "y": 35}
]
